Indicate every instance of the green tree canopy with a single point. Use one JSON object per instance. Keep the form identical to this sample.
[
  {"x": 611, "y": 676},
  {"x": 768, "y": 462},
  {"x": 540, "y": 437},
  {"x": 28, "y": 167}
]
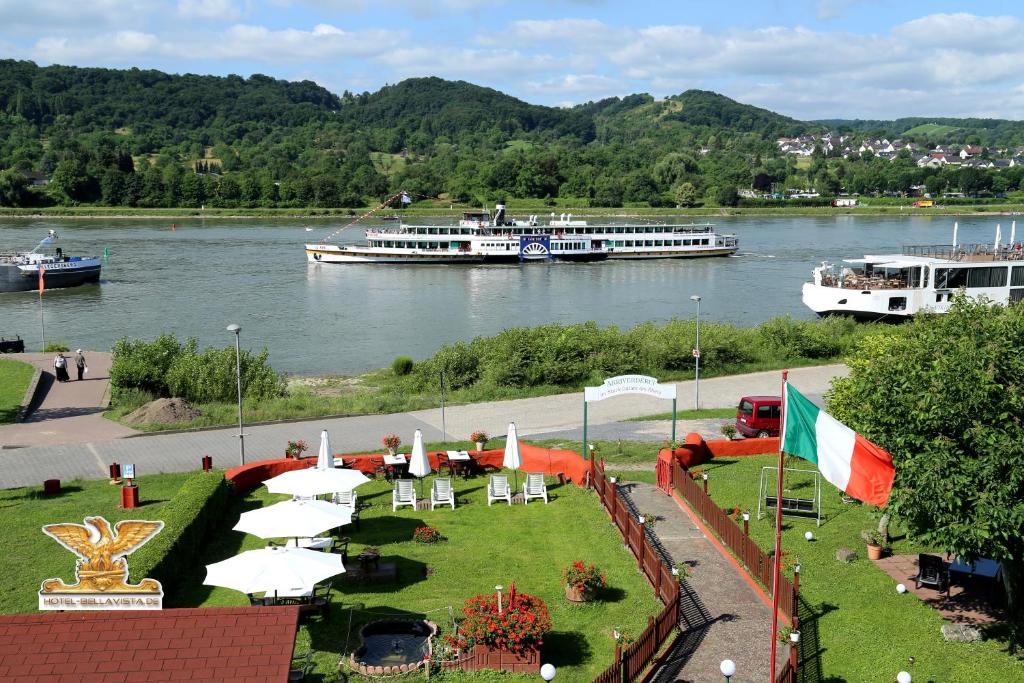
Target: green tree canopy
[{"x": 945, "y": 396}]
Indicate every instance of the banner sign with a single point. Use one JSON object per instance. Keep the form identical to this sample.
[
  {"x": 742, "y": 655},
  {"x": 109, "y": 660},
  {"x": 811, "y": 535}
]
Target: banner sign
[
  {"x": 629, "y": 384},
  {"x": 101, "y": 572}
]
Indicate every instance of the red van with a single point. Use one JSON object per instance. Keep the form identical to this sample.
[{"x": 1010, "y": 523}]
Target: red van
[{"x": 759, "y": 416}]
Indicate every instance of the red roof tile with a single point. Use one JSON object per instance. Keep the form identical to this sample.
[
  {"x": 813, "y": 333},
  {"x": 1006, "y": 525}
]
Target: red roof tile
[{"x": 172, "y": 644}]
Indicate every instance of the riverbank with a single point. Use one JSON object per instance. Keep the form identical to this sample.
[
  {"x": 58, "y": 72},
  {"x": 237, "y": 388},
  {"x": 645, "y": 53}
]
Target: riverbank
[{"x": 514, "y": 208}]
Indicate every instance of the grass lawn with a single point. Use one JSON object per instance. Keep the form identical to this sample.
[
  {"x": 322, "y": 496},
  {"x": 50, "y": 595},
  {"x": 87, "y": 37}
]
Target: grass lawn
[
  {"x": 701, "y": 414},
  {"x": 29, "y": 556},
  {"x": 14, "y": 378},
  {"x": 486, "y": 546},
  {"x": 865, "y": 630}
]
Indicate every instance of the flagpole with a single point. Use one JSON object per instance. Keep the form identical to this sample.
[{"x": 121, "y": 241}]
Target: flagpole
[{"x": 778, "y": 530}]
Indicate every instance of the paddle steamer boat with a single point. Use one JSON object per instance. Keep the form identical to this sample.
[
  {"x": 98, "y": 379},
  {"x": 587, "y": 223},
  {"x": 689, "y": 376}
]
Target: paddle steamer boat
[{"x": 481, "y": 238}]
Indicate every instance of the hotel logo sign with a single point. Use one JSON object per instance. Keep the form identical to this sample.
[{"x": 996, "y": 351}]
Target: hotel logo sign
[
  {"x": 101, "y": 572},
  {"x": 629, "y": 384}
]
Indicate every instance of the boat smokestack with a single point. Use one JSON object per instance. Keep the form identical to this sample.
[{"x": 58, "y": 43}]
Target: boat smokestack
[{"x": 499, "y": 214}]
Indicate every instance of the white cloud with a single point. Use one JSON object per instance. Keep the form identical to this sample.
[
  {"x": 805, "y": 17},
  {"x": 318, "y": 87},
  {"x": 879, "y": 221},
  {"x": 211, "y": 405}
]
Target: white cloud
[
  {"x": 585, "y": 86},
  {"x": 961, "y": 31},
  {"x": 455, "y": 62},
  {"x": 325, "y": 42},
  {"x": 225, "y": 10},
  {"x": 17, "y": 15},
  {"x": 118, "y": 47}
]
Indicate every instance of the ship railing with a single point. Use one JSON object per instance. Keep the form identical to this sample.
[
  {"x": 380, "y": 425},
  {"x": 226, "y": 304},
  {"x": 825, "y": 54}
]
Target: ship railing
[
  {"x": 967, "y": 252},
  {"x": 862, "y": 282}
]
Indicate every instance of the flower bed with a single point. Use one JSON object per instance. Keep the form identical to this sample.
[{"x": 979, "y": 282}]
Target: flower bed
[
  {"x": 507, "y": 637},
  {"x": 427, "y": 534}
]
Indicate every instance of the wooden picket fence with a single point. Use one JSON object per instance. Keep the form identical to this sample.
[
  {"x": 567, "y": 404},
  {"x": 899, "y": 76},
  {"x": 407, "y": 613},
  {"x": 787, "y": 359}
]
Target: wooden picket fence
[
  {"x": 631, "y": 662},
  {"x": 756, "y": 561}
]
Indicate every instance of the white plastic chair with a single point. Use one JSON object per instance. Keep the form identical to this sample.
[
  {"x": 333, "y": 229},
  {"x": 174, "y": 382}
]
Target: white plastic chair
[
  {"x": 345, "y": 499},
  {"x": 404, "y": 494},
  {"x": 534, "y": 487},
  {"x": 497, "y": 489},
  {"x": 441, "y": 493}
]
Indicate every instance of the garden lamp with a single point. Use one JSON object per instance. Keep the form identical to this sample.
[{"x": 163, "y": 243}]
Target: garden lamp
[
  {"x": 238, "y": 376},
  {"x": 728, "y": 669},
  {"x": 547, "y": 672},
  {"x": 903, "y": 677}
]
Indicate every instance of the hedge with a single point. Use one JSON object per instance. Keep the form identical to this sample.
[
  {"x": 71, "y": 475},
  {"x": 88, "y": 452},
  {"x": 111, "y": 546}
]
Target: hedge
[{"x": 171, "y": 556}]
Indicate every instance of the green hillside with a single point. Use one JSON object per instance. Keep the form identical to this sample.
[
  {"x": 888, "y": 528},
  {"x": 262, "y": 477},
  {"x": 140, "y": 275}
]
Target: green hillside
[{"x": 142, "y": 138}]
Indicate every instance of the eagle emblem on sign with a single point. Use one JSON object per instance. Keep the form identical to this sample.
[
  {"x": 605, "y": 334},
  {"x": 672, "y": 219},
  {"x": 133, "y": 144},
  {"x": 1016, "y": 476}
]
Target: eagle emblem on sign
[{"x": 101, "y": 551}]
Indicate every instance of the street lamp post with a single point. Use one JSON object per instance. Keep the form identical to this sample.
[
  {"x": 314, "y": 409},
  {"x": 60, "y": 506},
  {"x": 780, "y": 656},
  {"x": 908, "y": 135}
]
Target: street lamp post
[
  {"x": 696, "y": 358},
  {"x": 728, "y": 669},
  {"x": 238, "y": 376}
]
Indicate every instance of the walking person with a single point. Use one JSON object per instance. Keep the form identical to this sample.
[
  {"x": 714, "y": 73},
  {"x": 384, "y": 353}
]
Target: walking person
[
  {"x": 80, "y": 364},
  {"x": 60, "y": 368}
]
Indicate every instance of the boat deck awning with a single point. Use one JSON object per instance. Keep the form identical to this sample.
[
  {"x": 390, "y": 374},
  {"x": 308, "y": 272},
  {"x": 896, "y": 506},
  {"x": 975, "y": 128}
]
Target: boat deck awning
[{"x": 898, "y": 264}]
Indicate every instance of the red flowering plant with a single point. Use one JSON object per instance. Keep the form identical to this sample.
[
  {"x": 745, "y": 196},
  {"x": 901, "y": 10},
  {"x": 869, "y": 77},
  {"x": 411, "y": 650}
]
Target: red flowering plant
[
  {"x": 391, "y": 441},
  {"x": 295, "y": 448},
  {"x": 520, "y": 625},
  {"x": 583, "y": 577},
  {"x": 479, "y": 436},
  {"x": 427, "y": 534}
]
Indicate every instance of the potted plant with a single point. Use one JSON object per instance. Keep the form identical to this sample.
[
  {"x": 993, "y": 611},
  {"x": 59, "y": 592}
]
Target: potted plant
[
  {"x": 392, "y": 442},
  {"x": 295, "y": 449},
  {"x": 729, "y": 431},
  {"x": 480, "y": 437},
  {"x": 582, "y": 581},
  {"x": 503, "y": 636},
  {"x": 875, "y": 540}
]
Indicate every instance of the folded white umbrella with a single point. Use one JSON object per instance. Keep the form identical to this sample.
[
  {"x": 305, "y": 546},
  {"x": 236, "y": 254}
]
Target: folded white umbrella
[
  {"x": 294, "y": 519},
  {"x": 324, "y": 460},
  {"x": 313, "y": 481},
  {"x": 419, "y": 463},
  {"x": 512, "y": 460},
  {"x": 273, "y": 569}
]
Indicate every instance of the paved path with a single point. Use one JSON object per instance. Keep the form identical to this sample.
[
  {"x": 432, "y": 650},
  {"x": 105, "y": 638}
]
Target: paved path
[
  {"x": 561, "y": 414},
  {"x": 69, "y": 412},
  {"x": 721, "y": 616}
]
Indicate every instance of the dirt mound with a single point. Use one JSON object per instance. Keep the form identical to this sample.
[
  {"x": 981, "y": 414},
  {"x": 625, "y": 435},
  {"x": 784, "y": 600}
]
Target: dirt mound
[{"x": 163, "y": 411}]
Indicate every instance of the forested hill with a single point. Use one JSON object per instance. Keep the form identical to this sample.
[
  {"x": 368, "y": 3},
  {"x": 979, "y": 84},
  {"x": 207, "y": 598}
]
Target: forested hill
[
  {"x": 106, "y": 100},
  {"x": 145, "y": 138}
]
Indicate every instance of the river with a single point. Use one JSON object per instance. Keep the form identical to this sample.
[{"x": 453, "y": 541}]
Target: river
[{"x": 319, "y": 319}]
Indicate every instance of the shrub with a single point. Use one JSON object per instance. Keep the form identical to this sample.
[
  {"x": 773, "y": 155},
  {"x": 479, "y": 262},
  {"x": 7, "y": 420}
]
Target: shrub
[
  {"x": 521, "y": 624},
  {"x": 56, "y": 347},
  {"x": 170, "y": 556},
  {"x": 210, "y": 376},
  {"x": 138, "y": 364},
  {"x": 402, "y": 365},
  {"x": 427, "y": 534}
]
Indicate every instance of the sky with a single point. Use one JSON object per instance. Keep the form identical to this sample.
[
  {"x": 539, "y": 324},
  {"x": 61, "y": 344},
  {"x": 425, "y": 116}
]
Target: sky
[{"x": 810, "y": 59}]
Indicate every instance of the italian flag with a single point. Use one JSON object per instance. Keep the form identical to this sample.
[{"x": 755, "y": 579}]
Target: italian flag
[{"x": 846, "y": 459}]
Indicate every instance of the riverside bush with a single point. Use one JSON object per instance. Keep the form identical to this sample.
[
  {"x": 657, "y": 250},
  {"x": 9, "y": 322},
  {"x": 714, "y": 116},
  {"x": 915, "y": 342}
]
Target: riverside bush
[
  {"x": 572, "y": 355},
  {"x": 167, "y": 367},
  {"x": 402, "y": 366}
]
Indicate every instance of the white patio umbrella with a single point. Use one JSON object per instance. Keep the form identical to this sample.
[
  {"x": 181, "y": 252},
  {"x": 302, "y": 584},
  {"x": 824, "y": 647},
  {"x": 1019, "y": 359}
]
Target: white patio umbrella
[
  {"x": 314, "y": 481},
  {"x": 512, "y": 460},
  {"x": 273, "y": 569},
  {"x": 419, "y": 463},
  {"x": 294, "y": 519},
  {"x": 325, "y": 460}
]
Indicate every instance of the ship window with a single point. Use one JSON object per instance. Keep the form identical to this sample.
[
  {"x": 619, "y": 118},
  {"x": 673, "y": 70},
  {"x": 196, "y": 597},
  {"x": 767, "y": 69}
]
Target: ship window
[
  {"x": 687, "y": 243},
  {"x": 1017, "y": 278},
  {"x": 987, "y": 277},
  {"x": 897, "y": 303},
  {"x": 1017, "y": 295}
]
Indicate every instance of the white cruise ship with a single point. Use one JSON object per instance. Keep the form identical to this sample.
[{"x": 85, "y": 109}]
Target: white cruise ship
[
  {"x": 892, "y": 287},
  {"x": 481, "y": 238}
]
